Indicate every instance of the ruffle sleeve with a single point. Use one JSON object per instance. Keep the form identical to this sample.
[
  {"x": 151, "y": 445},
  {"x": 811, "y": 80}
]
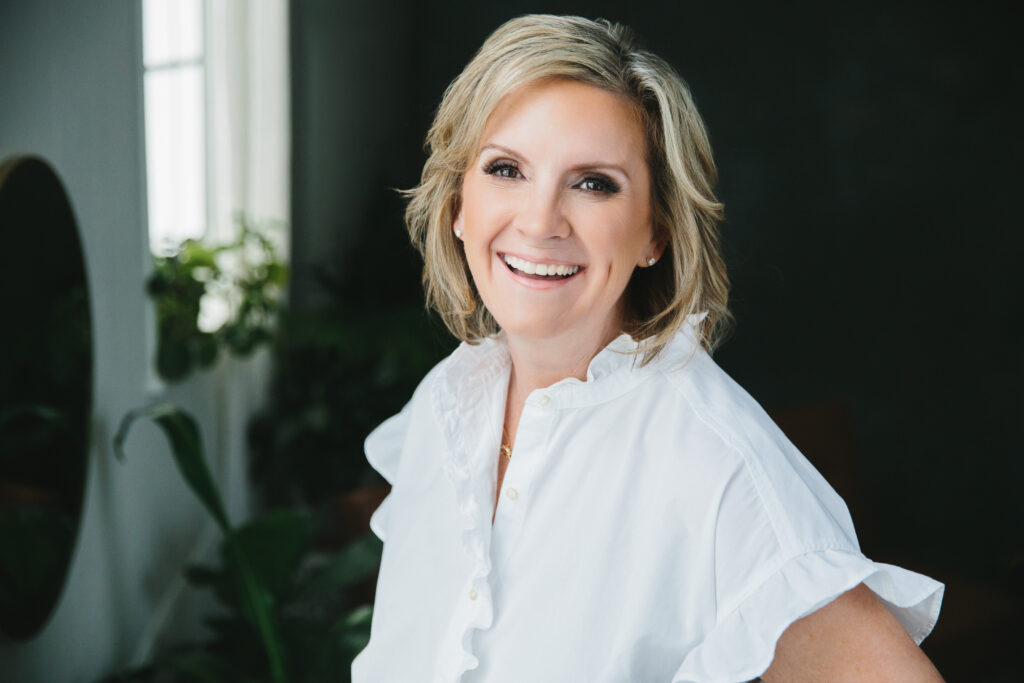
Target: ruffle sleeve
[
  {"x": 793, "y": 591},
  {"x": 383, "y": 449}
]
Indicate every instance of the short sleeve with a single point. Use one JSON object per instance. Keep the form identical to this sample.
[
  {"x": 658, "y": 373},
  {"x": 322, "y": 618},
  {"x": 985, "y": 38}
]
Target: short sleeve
[
  {"x": 785, "y": 546},
  {"x": 741, "y": 646},
  {"x": 384, "y": 448}
]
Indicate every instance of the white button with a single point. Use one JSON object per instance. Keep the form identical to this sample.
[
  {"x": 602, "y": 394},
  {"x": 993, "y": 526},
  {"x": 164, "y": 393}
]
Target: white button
[
  {"x": 511, "y": 493},
  {"x": 472, "y": 594},
  {"x": 544, "y": 400}
]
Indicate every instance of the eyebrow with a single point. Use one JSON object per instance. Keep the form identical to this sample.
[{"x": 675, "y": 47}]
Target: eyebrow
[{"x": 587, "y": 166}]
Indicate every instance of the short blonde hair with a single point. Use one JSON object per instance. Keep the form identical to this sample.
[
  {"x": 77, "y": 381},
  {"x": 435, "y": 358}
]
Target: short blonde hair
[{"x": 689, "y": 279}]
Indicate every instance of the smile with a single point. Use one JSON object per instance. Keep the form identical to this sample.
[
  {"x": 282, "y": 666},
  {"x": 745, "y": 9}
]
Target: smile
[{"x": 542, "y": 270}]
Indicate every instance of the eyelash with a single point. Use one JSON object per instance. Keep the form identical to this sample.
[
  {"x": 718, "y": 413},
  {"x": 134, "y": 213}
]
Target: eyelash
[
  {"x": 605, "y": 185},
  {"x": 495, "y": 167}
]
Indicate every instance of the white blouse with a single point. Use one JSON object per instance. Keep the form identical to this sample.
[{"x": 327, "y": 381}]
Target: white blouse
[{"x": 655, "y": 525}]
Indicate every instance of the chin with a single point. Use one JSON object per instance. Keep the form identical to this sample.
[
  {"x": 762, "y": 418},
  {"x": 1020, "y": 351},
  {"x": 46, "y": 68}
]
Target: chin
[{"x": 532, "y": 328}]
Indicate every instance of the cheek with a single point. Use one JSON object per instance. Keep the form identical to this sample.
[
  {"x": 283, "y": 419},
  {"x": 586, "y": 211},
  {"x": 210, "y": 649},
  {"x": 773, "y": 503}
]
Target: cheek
[
  {"x": 621, "y": 239},
  {"x": 479, "y": 210}
]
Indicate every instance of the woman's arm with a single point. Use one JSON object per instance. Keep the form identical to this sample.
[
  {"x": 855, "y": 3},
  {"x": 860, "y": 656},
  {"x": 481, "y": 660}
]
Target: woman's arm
[{"x": 853, "y": 638}]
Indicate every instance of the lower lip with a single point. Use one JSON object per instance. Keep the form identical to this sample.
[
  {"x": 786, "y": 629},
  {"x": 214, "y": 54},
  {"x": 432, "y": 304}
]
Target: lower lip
[{"x": 533, "y": 283}]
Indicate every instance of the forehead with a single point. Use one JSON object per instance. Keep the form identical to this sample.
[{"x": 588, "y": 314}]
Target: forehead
[{"x": 576, "y": 117}]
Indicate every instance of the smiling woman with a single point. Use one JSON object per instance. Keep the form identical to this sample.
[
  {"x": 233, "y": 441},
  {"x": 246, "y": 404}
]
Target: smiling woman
[{"x": 579, "y": 492}]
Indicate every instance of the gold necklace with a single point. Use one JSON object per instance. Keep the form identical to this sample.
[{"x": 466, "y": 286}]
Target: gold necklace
[{"x": 506, "y": 444}]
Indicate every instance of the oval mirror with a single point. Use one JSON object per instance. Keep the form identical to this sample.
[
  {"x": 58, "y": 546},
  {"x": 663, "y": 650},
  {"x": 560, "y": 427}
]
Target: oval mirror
[{"x": 45, "y": 391}]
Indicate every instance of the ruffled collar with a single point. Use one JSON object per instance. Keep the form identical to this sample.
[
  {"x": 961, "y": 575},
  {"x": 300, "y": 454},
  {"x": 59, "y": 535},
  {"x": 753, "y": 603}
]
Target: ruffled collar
[{"x": 474, "y": 364}]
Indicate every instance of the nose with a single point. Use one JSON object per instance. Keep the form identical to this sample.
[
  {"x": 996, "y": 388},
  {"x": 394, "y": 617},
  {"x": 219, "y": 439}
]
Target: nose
[{"x": 541, "y": 215}]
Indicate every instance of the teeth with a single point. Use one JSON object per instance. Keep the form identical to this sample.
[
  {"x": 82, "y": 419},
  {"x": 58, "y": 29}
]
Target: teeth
[{"x": 546, "y": 269}]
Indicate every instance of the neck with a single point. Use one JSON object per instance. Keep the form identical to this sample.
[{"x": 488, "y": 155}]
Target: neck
[{"x": 538, "y": 363}]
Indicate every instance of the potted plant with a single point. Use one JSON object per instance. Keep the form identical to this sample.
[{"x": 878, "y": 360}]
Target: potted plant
[{"x": 286, "y": 611}]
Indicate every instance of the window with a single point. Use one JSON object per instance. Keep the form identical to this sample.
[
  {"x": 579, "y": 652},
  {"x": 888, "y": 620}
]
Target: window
[
  {"x": 175, "y": 106},
  {"x": 217, "y": 122},
  {"x": 217, "y": 117}
]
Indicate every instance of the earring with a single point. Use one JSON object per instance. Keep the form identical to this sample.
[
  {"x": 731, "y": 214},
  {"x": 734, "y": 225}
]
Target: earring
[
  {"x": 458, "y": 233},
  {"x": 651, "y": 261}
]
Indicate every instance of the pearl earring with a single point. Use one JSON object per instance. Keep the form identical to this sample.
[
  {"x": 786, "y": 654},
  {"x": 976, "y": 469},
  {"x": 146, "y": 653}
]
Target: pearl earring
[
  {"x": 458, "y": 233},
  {"x": 651, "y": 261}
]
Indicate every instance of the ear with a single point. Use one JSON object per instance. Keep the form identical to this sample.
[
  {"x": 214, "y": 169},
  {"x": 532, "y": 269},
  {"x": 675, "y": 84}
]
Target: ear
[
  {"x": 458, "y": 225},
  {"x": 655, "y": 248}
]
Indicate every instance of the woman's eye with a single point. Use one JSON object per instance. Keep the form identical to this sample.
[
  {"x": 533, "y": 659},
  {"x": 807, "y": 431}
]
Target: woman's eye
[
  {"x": 598, "y": 184},
  {"x": 502, "y": 169}
]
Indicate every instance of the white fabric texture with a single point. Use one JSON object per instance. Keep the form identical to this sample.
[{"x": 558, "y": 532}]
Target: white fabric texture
[{"x": 654, "y": 525}]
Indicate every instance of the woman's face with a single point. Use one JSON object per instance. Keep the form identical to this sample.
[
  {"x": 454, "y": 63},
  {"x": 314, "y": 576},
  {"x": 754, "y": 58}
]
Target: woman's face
[{"x": 555, "y": 211}]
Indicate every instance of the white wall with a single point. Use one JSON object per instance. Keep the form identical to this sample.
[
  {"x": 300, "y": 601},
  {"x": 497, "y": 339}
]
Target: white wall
[{"x": 71, "y": 91}]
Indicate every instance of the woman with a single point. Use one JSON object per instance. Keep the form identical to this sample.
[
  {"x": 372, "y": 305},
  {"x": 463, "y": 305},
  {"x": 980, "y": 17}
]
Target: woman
[{"x": 579, "y": 492}]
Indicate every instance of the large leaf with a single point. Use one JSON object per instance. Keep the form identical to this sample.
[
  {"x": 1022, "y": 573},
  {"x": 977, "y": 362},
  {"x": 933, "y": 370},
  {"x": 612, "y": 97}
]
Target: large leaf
[
  {"x": 357, "y": 561},
  {"x": 181, "y": 431},
  {"x": 343, "y": 642},
  {"x": 257, "y": 604},
  {"x": 215, "y": 579},
  {"x": 255, "y": 600},
  {"x": 274, "y": 543}
]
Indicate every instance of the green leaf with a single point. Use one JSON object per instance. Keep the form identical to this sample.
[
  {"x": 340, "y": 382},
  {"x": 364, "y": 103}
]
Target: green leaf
[
  {"x": 257, "y": 607},
  {"x": 181, "y": 431},
  {"x": 255, "y": 600},
  {"x": 214, "y": 579},
  {"x": 172, "y": 358},
  {"x": 356, "y": 562},
  {"x": 274, "y": 543},
  {"x": 347, "y": 637},
  {"x": 207, "y": 349}
]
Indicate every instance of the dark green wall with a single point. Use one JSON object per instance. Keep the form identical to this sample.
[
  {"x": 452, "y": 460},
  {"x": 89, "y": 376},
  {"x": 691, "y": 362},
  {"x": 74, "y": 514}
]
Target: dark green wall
[{"x": 868, "y": 159}]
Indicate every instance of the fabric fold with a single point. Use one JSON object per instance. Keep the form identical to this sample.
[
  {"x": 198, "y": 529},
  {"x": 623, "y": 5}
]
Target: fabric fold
[
  {"x": 460, "y": 406},
  {"x": 795, "y": 590},
  {"x": 383, "y": 448}
]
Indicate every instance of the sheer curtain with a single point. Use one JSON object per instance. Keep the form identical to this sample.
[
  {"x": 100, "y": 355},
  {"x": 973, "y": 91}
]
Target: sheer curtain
[
  {"x": 248, "y": 114},
  {"x": 248, "y": 170}
]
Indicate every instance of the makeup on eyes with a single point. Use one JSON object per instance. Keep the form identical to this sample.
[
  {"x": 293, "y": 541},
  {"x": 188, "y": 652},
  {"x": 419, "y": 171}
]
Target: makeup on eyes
[
  {"x": 500, "y": 164},
  {"x": 505, "y": 168}
]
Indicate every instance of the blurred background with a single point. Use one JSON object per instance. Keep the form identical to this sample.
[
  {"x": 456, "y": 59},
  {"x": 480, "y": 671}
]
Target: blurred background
[{"x": 198, "y": 207}]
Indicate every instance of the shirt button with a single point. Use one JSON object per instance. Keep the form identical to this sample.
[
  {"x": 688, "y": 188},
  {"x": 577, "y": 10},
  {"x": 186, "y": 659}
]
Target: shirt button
[
  {"x": 472, "y": 594},
  {"x": 544, "y": 400},
  {"x": 511, "y": 493}
]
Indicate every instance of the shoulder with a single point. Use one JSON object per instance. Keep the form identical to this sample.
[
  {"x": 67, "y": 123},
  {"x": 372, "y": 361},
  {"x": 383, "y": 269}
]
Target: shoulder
[
  {"x": 384, "y": 445},
  {"x": 770, "y": 478},
  {"x": 721, "y": 404},
  {"x": 436, "y": 397},
  {"x": 443, "y": 374}
]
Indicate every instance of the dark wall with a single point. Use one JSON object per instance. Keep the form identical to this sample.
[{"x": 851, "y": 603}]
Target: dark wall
[{"x": 868, "y": 158}]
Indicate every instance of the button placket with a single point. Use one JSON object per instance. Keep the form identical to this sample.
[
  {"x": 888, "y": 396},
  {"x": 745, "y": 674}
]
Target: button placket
[{"x": 534, "y": 428}]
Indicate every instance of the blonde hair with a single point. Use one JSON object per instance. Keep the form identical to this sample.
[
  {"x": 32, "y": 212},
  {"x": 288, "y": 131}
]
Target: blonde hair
[{"x": 691, "y": 276}]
